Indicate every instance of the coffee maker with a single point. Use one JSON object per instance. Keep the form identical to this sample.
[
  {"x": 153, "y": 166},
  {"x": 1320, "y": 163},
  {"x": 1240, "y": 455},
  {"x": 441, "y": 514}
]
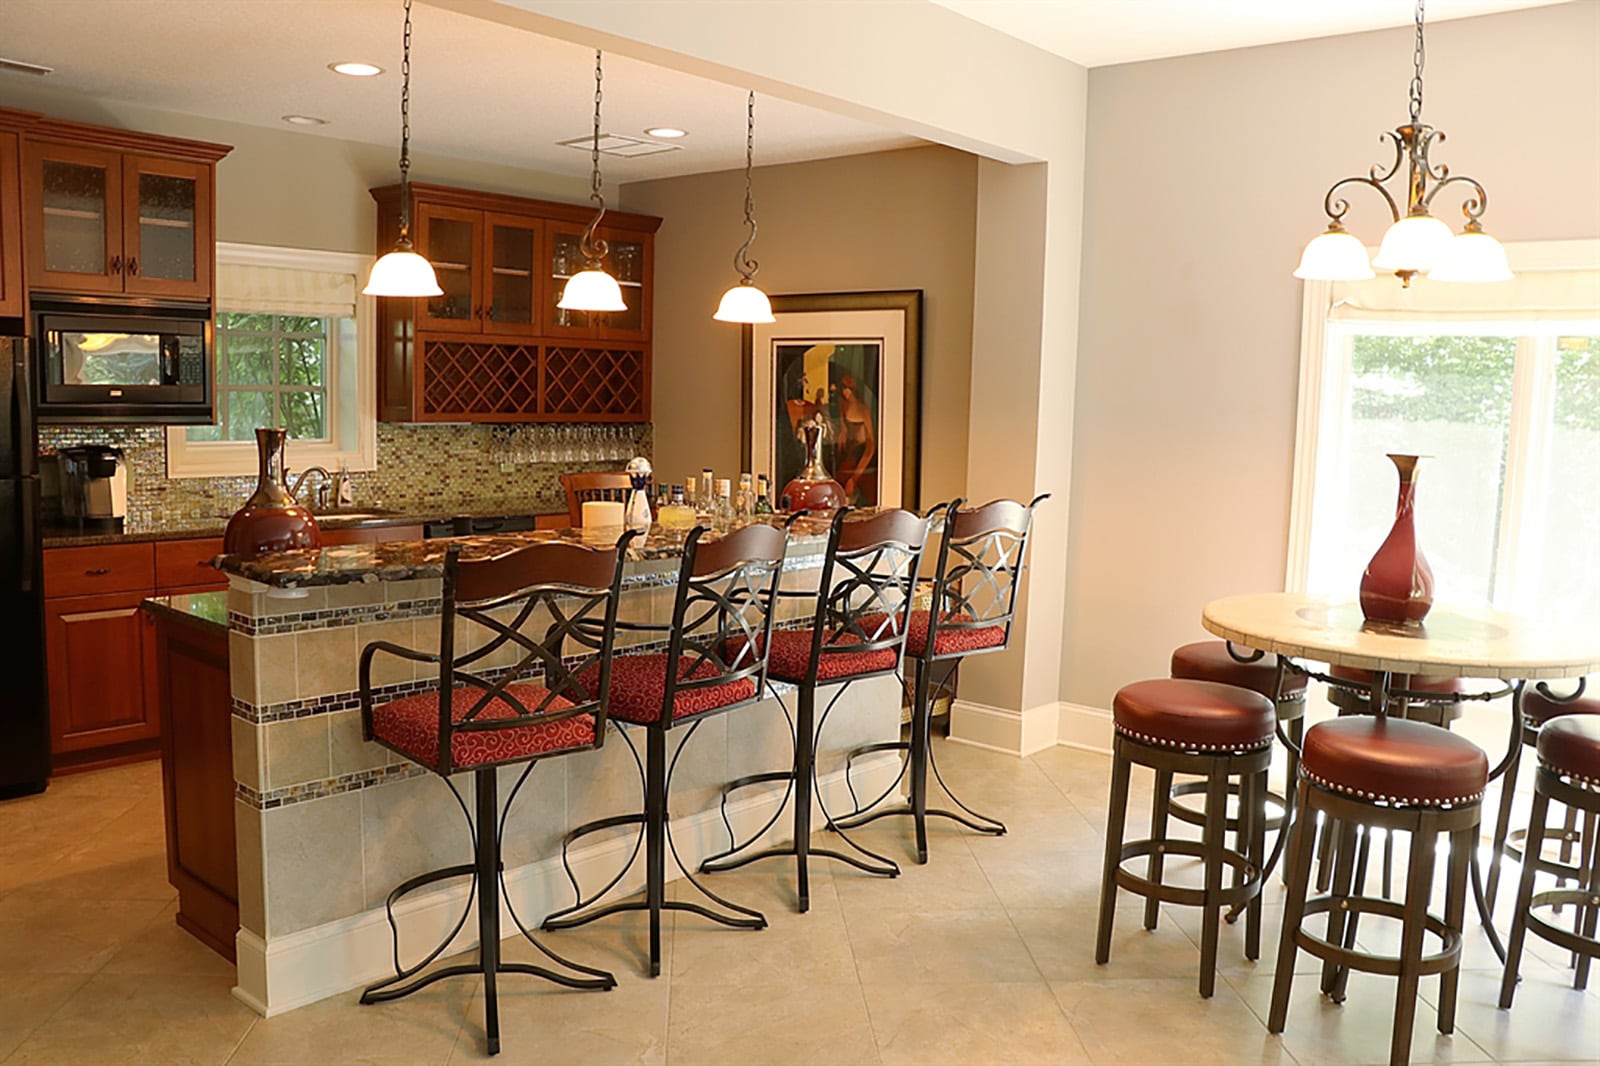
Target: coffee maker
[{"x": 94, "y": 486}]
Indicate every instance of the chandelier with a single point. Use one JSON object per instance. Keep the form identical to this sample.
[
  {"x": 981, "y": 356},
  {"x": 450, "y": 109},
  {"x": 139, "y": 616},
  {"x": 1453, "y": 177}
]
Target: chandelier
[{"x": 1416, "y": 242}]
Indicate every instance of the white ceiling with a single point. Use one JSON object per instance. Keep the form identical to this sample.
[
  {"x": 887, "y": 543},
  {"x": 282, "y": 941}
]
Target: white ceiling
[
  {"x": 1095, "y": 33},
  {"x": 485, "y": 91}
]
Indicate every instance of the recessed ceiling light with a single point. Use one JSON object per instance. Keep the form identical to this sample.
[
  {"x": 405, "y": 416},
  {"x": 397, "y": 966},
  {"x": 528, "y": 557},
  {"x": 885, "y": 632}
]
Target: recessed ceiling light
[
  {"x": 356, "y": 70},
  {"x": 304, "y": 120},
  {"x": 666, "y": 133}
]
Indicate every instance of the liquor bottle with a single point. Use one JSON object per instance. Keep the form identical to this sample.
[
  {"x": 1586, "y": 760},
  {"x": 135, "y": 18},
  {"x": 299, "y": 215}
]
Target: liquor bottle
[
  {"x": 706, "y": 505},
  {"x": 677, "y": 514},
  {"x": 722, "y": 509},
  {"x": 744, "y": 500},
  {"x": 763, "y": 504}
]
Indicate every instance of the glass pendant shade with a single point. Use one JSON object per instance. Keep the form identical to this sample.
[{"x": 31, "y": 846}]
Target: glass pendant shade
[
  {"x": 1473, "y": 256},
  {"x": 1416, "y": 242},
  {"x": 592, "y": 290},
  {"x": 402, "y": 273},
  {"x": 744, "y": 303},
  {"x": 1334, "y": 256}
]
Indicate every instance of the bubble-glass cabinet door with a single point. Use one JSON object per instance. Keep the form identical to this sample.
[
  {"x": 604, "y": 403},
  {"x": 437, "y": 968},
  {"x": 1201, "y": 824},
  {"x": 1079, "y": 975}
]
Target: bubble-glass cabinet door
[
  {"x": 73, "y": 199},
  {"x": 166, "y": 227},
  {"x": 452, "y": 240},
  {"x": 513, "y": 251}
]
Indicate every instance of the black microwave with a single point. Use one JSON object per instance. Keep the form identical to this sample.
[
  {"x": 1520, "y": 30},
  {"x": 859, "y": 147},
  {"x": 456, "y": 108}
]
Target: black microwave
[{"x": 105, "y": 362}]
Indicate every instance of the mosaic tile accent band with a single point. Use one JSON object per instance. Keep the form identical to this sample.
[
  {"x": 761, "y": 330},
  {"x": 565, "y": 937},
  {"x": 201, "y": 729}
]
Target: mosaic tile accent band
[
  {"x": 420, "y": 468},
  {"x": 333, "y": 786},
  {"x": 332, "y": 618}
]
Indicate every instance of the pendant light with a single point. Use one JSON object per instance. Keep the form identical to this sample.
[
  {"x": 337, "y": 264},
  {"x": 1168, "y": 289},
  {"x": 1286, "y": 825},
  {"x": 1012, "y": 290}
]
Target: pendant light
[
  {"x": 403, "y": 272},
  {"x": 592, "y": 289},
  {"x": 1416, "y": 241},
  {"x": 744, "y": 302}
]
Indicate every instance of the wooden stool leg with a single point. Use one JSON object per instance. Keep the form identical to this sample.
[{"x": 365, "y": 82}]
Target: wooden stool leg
[
  {"x": 1303, "y": 836},
  {"x": 1502, "y": 827},
  {"x": 1158, "y": 833},
  {"x": 1216, "y": 833},
  {"x": 1257, "y": 853},
  {"x": 1419, "y": 886},
  {"x": 1343, "y": 875},
  {"x": 1455, "y": 912},
  {"x": 1591, "y": 911},
  {"x": 1519, "y": 918},
  {"x": 1116, "y": 824}
]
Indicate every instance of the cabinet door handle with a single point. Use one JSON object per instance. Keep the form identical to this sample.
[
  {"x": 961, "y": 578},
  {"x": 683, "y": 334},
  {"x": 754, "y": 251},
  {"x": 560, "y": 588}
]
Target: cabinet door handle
[
  {"x": 133, "y": 266},
  {"x": 98, "y": 571},
  {"x": 488, "y": 312},
  {"x": 116, "y": 264}
]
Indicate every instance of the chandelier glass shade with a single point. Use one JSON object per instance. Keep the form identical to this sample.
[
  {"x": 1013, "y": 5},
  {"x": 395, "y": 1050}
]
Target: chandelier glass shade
[
  {"x": 592, "y": 289},
  {"x": 745, "y": 302},
  {"x": 1416, "y": 242},
  {"x": 403, "y": 272}
]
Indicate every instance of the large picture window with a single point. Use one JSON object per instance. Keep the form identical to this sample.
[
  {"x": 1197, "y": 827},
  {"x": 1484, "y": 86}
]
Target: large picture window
[{"x": 1502, "y": 391}]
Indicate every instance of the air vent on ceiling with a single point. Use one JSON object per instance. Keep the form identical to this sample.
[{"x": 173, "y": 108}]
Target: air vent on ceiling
[
  {"x": 17, "y": 66},
  {"x": 622, "y": 147}
]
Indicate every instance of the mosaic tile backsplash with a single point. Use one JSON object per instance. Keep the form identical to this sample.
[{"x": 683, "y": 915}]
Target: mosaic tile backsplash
[{"x": 421, "y": 468}]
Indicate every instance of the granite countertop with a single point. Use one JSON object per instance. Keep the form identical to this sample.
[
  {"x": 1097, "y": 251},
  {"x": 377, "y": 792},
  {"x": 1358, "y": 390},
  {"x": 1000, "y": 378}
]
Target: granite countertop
[
  {"x": 208, "y": 610},
  {"x": 190, "y": 527},
  {"x": 407, "y": 560}
]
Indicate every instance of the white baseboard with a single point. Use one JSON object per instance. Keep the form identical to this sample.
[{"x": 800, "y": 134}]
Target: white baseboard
[
  {"x": 1085, "y": 727},
  {"x": 300, "y": 968},
  {"x": 1002, "y": 729}
]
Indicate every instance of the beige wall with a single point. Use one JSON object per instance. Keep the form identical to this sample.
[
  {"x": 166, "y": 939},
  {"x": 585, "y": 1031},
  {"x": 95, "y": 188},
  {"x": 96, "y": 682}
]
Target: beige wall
[
  {"x": 1189, "y": 349},
  {"x": 891, "y": 220},
  {"x": 294, "y": 189}
]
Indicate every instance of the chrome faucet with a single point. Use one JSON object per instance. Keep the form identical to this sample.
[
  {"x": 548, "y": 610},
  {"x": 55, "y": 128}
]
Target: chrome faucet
[{"x": 299, "y": 482}]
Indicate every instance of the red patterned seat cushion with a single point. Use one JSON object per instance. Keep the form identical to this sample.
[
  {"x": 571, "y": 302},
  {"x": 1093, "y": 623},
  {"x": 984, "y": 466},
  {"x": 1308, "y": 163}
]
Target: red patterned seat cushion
[
  {"x": 411, "y": 724},
  {"x": 639, "y": 687},
  {"x": 951, "y": 641},
  {"x": 791, "y": 656}
]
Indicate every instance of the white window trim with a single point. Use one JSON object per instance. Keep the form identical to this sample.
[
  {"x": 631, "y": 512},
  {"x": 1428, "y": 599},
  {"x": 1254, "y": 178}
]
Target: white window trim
[
  {"x": 187, "y": 458},
  {"x": 1319, "y": 376}
]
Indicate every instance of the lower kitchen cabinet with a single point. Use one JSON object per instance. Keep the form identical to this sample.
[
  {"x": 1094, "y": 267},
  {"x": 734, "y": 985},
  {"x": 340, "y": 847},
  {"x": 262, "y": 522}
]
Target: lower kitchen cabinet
[{"x": 101, "y": 652}]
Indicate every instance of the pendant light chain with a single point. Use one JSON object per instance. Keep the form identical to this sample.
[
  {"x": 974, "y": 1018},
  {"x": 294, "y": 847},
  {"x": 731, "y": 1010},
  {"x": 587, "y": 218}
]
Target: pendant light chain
[
  {"x": 592, "y": 248},
  {"x": 742, "y": 262},
  {"x": 1417, "y": 58},
  {"x": 405, "y": 129}
]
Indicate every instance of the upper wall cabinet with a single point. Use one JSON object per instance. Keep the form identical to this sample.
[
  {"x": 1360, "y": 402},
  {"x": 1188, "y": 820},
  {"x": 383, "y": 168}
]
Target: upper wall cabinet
[
  {"x": 494, "y": 347},
  {"x": 13, "y": 294},
  {"x": 112, "y": 211}
]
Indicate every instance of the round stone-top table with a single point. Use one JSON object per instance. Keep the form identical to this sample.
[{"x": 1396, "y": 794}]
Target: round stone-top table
[{"x": 1449, "y": 643}]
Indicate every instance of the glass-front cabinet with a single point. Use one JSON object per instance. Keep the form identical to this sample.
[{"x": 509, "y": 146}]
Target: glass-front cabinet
[
  {"x": 452, "y": 239},
  {"x": 511, "y": 274},
  {"x": 627, "y": 259},
  {"x": 101, "y": 220}
]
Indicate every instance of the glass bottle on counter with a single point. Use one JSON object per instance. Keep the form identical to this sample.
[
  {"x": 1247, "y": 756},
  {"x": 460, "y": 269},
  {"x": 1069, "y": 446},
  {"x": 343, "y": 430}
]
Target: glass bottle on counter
[
  {"x": 763, "y": 504},
  {"x": 677, "y": 514},
  {"x": 706, "y": 504},
  {"x": 744, "y": 500},
  {"x": 722, "y": 507}
]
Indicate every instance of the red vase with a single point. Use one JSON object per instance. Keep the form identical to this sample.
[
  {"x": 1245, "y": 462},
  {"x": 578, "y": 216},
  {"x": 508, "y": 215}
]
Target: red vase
[
  {"x": 813, "y": 489},
  {"x": 271, "y": 520},
  {"x": 1397, "y": 586}
]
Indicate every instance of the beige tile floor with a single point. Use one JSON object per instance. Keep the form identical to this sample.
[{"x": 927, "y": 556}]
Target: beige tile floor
[{"x": 983, "y": 956}]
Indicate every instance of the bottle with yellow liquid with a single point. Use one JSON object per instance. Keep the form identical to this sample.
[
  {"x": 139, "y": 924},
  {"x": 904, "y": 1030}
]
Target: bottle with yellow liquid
[{"x": 677, "y": 514}]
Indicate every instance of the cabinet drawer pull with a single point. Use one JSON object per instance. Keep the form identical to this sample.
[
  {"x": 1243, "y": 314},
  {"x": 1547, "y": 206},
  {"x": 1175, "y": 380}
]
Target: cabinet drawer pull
[
  {"x": 133, "y": 266},
  {"x": 99, "y": 571},
  {"x": 116, "y": 264}
]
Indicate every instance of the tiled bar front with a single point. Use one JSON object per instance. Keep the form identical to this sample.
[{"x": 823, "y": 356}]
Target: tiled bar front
[{"x": 329, "y": 823}]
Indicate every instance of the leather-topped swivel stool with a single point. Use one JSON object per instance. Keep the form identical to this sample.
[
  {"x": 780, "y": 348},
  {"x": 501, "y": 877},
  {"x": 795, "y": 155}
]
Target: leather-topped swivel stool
[
  {"x": 1388, "y": 773},
  {"x": 1219, "y": 661},
  {"x": 1190, "y": 727},
  {"x": 1538, "y": 706},
  {"x": 1569, "y": 772}
]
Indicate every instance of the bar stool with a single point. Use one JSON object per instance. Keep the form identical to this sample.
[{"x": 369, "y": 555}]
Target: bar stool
[
  {"x": 1538, "y": 706},
  {"x": 721, "y": 621},
  {"x": 1393, "y": 774},
  {"x": 1569, "y": 772},
  {"x": 1219, "y": 661},
  {"x": 982, "y": 557},
  {"x": 593, "y": 485},
  {"x": 857, "y": 631},
  {"x": 481, "y": 718},
  {"x": 1190, "y": 727}
]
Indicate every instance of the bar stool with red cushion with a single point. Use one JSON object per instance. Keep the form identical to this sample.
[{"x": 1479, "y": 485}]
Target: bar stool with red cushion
[
  {"x": 714, "y": 663},
  {"x": 857, "y": 631},
  {"x": 1383, "y": 772},
  {"x": 982, "y": 556},
  {"x": 1569, "y": 773},
  {"x": 1539, "y": 705},
  {"x": 480, "y": 718},
  {"x": 1220, "y": 732}
]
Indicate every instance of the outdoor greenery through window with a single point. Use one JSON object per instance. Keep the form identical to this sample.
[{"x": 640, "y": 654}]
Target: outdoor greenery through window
[
  {"x": 272, "y": 370},
  {"x": 1508, "y": 504}
]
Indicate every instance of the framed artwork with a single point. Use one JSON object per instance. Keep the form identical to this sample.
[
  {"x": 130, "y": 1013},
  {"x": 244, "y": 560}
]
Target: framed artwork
[{"x": 855, "y": 358}]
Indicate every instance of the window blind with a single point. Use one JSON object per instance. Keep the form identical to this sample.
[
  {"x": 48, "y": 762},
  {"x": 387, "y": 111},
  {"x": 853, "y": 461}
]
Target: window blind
[
  {"x": 1531, "y": 296},
  {"x": 284, "y": 290}
]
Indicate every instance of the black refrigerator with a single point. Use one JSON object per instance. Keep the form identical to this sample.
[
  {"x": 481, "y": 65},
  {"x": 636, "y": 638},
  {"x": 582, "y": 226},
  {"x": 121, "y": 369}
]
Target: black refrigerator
[{"x": 24, "y": 710}]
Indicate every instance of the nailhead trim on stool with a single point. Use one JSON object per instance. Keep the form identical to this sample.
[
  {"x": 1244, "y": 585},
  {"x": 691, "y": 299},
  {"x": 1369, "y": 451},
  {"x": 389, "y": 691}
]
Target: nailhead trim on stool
[
  {"x": 1374, "y": 797},
  {"x": 1194, "y": 715},
  {"x": 1570, "y": 746},
  {"x": 1177, "y": 745},
  {"x": 1415, "y": 764}
]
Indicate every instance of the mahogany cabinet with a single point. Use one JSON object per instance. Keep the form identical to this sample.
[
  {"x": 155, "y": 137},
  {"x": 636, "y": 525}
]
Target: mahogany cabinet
[
  {"x": 494, "y": 347},
  {"x": 114, "y": 211},
  {"x": 13, "y": 297}
]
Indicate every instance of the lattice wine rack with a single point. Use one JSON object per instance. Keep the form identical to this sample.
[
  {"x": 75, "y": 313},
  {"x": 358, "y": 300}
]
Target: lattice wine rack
[
  {"x": 595, "y": 381},
  {"x": 464, "y": 380}
]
